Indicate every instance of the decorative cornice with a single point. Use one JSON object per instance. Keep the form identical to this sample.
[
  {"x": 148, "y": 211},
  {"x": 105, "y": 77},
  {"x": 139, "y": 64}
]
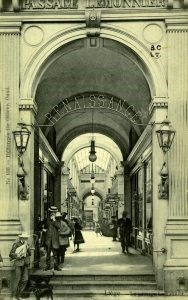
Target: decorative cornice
[
  {"x": 10, "y": 27},
  {"x": 158, "y": 102},
  {"x": 177, "y": 25},
  {"x": 28, "y": 104}
]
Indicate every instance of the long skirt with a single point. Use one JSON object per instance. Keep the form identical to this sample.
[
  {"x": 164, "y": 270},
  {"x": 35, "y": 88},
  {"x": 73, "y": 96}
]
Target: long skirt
[{"x": 78, "y": 238}]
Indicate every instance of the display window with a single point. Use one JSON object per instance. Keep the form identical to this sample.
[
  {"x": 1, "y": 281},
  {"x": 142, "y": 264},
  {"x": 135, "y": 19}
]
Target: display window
[{"x": 141, "y": 190}]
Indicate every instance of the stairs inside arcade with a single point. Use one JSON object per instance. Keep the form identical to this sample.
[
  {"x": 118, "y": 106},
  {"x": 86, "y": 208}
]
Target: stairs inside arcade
[{"x": 101, "y": 269}]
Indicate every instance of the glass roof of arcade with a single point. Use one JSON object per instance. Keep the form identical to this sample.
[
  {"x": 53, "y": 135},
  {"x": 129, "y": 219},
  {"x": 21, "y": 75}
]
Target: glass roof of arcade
[{"x": 101, "y": 164}]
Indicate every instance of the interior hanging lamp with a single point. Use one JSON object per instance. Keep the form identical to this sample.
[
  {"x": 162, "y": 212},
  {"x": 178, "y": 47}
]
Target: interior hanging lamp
[
  {"x": 92, "y": 189},
  {"x": 92, "y": 180},
  {"x": 92, "y": 155}
]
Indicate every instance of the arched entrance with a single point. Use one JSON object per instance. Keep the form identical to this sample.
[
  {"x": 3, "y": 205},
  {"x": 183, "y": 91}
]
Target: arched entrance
[
  {"x": 63, "y": 78},
  {"x": 51, "y": 52}
]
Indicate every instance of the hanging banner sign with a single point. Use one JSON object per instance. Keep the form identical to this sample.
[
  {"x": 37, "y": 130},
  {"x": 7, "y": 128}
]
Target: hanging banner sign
[{"x": 90, "y": 4}]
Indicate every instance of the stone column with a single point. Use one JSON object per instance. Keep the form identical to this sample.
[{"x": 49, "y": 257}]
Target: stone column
[
  {"x": 9, "y": 81},
  {"x": 28, "y": 110},
  {"x": 158, "y": 110},
  {"x": 57, "y": 187},
  {"x": 64, "y": 177},
  {"x": 177, "y": 225},
  {"x": 122, "y": 189}
]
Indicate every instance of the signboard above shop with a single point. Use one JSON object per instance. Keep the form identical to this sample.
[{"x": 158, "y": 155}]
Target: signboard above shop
[{"x": 90, "y": 4}]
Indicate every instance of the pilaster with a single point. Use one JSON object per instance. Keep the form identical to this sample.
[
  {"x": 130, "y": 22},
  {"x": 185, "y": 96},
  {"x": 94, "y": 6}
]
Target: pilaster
[
  {"x": 9, "y": 95},
  {"x": 178, "y": 109},
  {"x": 158, "y": 110},
  {"x": 27, "y": 111},
  {"x": 64, "y": 178},
  {"x": 176, "y": 266},
  {"x": 125, "y": 188}
]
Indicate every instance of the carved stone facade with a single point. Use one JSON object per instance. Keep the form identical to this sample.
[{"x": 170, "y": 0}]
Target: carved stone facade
[{"x": 153, "y": 38}]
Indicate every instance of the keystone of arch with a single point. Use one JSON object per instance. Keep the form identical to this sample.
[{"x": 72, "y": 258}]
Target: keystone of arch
[{"x": 36, "y": 66}]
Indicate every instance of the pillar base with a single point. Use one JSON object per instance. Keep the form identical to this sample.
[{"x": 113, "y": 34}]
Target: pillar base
[
  {"x": 7, "y": 277},
  {"x": 9, "y": 230},
  {"x": 176, "y": 280},
  {"x": 176, "y": 265}
]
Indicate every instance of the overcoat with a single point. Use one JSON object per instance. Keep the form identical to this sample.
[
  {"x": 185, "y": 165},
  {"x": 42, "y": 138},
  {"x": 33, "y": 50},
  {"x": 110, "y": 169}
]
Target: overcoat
[
  {"x": 52, "y": 233},
  {"x": 64, "y": 233},
  {"x": 125, "y": 229}
]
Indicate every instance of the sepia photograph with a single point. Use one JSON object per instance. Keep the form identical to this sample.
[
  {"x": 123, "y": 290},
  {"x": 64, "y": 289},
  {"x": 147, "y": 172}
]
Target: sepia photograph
[{"x": 94, "y": 149}]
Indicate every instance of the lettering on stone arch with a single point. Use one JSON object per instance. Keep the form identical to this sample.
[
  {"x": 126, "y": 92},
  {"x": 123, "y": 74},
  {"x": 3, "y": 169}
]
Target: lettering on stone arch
[{"x": 93, "y": 101}]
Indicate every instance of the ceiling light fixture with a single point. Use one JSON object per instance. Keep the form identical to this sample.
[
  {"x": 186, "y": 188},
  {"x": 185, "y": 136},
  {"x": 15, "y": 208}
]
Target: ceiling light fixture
[{"x": 92, "y": 155}]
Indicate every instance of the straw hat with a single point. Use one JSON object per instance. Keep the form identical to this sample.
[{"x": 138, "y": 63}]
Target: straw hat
[
  {"x": 24, "y": 235},
  {"x": 58, "y": 215},
  {"x": 53, "y": 209}
]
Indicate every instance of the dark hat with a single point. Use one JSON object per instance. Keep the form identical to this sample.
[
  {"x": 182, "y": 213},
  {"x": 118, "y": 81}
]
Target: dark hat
[
  {"x": 53, "y": 209},
  {"x": 64, "y": 213},
  {"x": 125, "y": 213}
]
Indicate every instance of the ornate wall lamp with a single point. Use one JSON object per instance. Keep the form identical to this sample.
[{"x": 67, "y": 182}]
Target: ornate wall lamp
[
  {"x": 21, "y": 137},
  {"x": 165, "y": 135}
]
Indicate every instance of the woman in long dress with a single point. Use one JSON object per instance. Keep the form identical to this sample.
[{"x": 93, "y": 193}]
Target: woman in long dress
[{"x": 78, "y": 237}]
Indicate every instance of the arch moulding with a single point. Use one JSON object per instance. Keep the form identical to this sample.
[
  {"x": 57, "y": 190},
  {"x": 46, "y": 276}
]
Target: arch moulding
[{"x": 40, "y": 61}]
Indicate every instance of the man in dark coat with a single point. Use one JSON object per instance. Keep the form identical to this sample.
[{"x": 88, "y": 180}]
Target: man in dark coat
[
  {"x": 125, "y": 229},
  {"x": 52, "y": 239}
]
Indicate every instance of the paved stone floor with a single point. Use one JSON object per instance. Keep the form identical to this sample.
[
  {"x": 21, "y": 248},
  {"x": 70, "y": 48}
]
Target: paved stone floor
[{"x": 99, "y": 255}]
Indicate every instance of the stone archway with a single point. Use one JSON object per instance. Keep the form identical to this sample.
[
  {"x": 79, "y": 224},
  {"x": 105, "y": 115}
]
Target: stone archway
[
  {"x": 38, "y": 63},
  {"x": 41, "y": 60}
]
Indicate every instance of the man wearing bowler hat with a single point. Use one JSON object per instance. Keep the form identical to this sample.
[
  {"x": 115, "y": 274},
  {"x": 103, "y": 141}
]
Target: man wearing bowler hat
[
  {"x": 52, "y": 239},
  {"x": 20, "y": 254}
]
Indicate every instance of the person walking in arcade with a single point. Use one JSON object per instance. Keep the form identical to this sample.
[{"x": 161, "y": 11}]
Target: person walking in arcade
[
  {"x": 125, "y": 229},
  {"x": 78, "y": 237}
]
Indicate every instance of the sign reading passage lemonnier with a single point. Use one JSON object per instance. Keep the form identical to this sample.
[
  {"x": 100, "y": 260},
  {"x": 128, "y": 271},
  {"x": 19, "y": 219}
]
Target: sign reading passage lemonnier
[{"x": 84, "y": 4}]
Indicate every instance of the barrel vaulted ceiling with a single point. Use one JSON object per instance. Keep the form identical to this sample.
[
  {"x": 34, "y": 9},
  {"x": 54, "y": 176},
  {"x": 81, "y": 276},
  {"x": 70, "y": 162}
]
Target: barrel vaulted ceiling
[{"x": 109, "y": 68}]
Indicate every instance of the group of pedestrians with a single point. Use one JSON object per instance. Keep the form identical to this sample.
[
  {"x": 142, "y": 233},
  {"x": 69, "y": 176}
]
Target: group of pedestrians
[
  {"x": 54, "y": 233},
  {"x": 58, "y": 230}
]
